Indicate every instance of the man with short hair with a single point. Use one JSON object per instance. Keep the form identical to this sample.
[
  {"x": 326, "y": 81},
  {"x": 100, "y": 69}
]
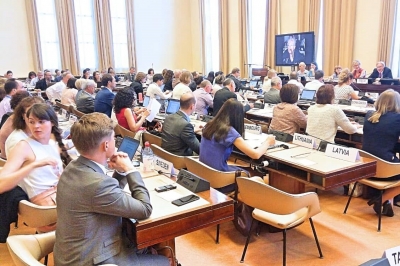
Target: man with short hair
[
  {"x": 317, "y": 82},
  {"x": 222, "y": 95},
  {"x": 91, "y": 204},
  {"x": 178, "y": 136},
  {"x": 381, "y": 71},
  {"x": 272, "y": 96},
  {"x": 57, "y": 74},
  {"x": 39, "y": 76},
  {"x": 59, "y": 78},
  {"x": 104, "y": 98},
  {"x": 235, "y": 76},
  {"x": 131, "y": 75},
  {"x": 292, "y": 55},
  {"x": 85, "y": 97},
  {"x": 203, "y": 97},
  {"x": 43, "y": 84},
  {"x": 154, "y": 90},
  {"x": 54, "y": 92},
  {"x": 9, "y": 74},
  {"x": 175, "y": 79},
  {"x": 294, "y": 80},
  {"x": 11, "y": 87}
]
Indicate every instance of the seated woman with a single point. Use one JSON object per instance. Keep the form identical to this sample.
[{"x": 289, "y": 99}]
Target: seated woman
[
  {"x": 384, "y": 125},
  {"x": 68, "y": 95},
  {"x": 150, "y": 74},
  {"x": 287, "y": 117},
  {"x": 128, "y": 118},
  {"x": 267, "y": 80},
  {"x": 34, "y": 164},
  {"x": 324, "y": 117},
  {"x": 168, "y": 80},
  {"x": 97, "y": 78},
  {"x": 336, "y": 72},
  {"x": 225, "y": 131},
  {"x": 302, "y": 72},
  {"x": 137, "y": 85},
  {"x": 343, "y": 90},
  {"x": 183, "y": 86},
  {"x": 358, "y": 72},
  {"x": 313, "y": 68}
]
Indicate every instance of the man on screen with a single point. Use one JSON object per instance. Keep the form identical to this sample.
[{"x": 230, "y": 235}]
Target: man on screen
[{"x": 292, "y": 55}]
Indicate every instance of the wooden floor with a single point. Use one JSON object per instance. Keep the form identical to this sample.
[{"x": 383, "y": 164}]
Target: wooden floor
[{"x": 349, "y": 239}]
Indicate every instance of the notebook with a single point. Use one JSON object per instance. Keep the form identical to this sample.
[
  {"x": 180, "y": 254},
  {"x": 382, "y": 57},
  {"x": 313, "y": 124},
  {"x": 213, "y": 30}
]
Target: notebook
[{"x": 129, "y": 146}]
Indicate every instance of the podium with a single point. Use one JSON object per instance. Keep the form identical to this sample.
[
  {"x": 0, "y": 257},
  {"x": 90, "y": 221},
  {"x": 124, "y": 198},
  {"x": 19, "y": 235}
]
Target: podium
[{"x": 259, "y": 72}]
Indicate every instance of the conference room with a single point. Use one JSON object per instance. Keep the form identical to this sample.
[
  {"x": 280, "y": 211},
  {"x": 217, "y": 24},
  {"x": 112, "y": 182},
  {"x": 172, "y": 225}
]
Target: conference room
[{"x": 203, "y": 36}]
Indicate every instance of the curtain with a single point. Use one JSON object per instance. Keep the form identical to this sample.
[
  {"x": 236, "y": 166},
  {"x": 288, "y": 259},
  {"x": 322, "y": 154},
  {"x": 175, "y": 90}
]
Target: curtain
[
  {"x": 68, "y": 35},
  {"x": 202, "y": 37},
  {"x": 223, "y": 41},
  {"x": 338, "y": 35},
  {"x": 104, "y": 33},
  {"x": 386, "y": 31},
  {"x": 131, "y": 33},
  {"x": 34, "y": 34},
  {"x": 272, "y": 28},
  {"x": 308, "y": 18},
  {"x": 243, "y": 26}
]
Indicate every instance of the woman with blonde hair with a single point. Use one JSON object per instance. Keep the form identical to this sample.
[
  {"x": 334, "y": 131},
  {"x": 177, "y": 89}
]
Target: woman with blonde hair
[
  {"x": 343, "y": 90},
  {"x": 183, "y": 86},
  {"x": 380, "y": 138},
  {"x": 267, "y": 80}
]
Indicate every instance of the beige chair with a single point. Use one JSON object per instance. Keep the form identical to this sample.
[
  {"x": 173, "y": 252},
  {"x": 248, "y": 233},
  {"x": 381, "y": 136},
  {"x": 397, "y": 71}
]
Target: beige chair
[
  {"x": 277, "y": 208},
  {"x": 177, "y": 161},
  {"x": 74, "y": 111},
  {"x": 151, "y": 138},
  {"x": 217, "y": 179},
  {"x": 35, "y": 216},
  {"x": 28, "y": 250},
  {"x": 63, "y": 106},
  {"x": 2, "y": 162},
  {"x": 384, "y": 169},
  {"x": 125, "y": 132}
]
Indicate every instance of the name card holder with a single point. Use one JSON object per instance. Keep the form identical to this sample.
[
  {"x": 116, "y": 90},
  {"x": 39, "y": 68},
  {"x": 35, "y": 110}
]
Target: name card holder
[
  {"x": 305, "y": 141},
  {"x": 251, "y": 128},
  {"x": 164, "y": 166},
  {"x": 342, "y": 153},
  {"x": 362, "y": 81},
  {"x": 392, "y": 255},
  {"x": 359, "y": 103}
]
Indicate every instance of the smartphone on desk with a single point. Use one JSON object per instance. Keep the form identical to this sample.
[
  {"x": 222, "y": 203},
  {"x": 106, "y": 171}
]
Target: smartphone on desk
[{"x": 185, "y": 200}]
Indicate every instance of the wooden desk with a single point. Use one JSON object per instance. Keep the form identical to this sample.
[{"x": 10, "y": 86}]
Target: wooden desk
[
  {"x": 291, "y": 174},
  {"x": 165, "y": 227}
]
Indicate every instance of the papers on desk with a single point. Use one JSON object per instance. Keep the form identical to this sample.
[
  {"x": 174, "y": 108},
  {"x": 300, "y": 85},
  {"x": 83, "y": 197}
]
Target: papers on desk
[
  {"x": 305, "y": 162},
  {"x": 153, "y": 107},
  {"x": 254, "y": 140}
]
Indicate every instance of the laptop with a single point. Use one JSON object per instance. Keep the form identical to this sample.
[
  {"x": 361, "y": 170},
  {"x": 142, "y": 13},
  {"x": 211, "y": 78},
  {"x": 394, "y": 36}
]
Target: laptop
[
  {"x": 253, "y": 83},
  {"x": 146, "y": 101},
  {"x": 172, "y": 108},
  {"x": 307, "y": 96},
  {"x": 129, "y": 146}
]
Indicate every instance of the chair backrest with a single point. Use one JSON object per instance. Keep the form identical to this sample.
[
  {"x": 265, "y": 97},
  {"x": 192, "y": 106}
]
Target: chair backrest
[
  {"x": 151, "y": 138},
  {"x": 2, "y": 162},
  {"x": 27, "y": 250},
  {"x": 217, "y": 179},
  {"x": 384, "y": 169},
  {"x": 125, "y": 132},
  {"x": 255, "y": 193},
  {"x": 63, "y": 106},
  {"x": 36, "y": 216},
  {"x": 248, "y": 121},
  {"x": 78, "y": 114},
  {"x": 178, "y": 161}
]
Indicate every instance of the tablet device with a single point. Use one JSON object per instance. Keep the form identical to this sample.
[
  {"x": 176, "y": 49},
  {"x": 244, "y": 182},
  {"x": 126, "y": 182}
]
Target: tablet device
[{"x": 129, "y": 146}]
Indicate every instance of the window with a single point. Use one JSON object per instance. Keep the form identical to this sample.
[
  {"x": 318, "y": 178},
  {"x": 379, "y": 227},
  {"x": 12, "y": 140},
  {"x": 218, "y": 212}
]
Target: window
[
  {"x": 320, "y": 48},
  {"x": 86, "y": 31},
  {"x": 211, "y": 29},
  {"x": 119, "y": 35},
  {"x": 396, "y": 44},
  {"x": 48, "y": 31},
  {"x": 256, "y": 31}
]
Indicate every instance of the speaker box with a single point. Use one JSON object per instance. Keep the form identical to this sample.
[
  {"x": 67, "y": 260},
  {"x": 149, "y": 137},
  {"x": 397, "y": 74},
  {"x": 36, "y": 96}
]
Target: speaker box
[{"x": 192, "y": 182}]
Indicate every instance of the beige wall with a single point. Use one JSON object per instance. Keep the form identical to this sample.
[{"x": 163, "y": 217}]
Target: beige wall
[
  {"x": 168, "y": 34},
  {"x": 14, "y": 39}
]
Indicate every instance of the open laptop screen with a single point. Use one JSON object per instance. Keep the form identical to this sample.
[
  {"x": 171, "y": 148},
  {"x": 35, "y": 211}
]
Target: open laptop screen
[
  {"x": 146, "y": 101},
  {"x": 173, "y": 106},
  {"x": 307, "y": 95},
  {"x": 129, "y": 146}
]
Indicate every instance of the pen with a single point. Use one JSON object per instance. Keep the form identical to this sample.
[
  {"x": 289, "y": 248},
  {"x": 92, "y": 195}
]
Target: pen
[{"x": 293, "y": 156}]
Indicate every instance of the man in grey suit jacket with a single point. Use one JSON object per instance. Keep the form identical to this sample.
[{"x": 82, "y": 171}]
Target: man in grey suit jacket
[
  {"x": 90, "y": 203},
  {"x": 85, "y": 97},
  {"x": 272, "y": 96},
  {"x": 178, "y": 136}
]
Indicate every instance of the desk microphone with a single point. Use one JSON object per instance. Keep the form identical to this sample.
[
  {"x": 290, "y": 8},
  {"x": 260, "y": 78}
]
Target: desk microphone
[{"x": 278, "y": 146}]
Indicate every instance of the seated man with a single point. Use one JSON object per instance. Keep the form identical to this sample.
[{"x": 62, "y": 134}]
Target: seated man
[
  {"x": 90, "y": 203},
  {"x": 317, "y": 82},
  {"x": 85, "y": 97},
  {"x": 272, "y": 96},
  {"x": 103, "y": 102},
  {"x": 204, "y": 99},
  {"x": 177, "y": 134},
  {"x": 43, "y": 84},
  {"x": 294, "y": 80},
  {"x": 224, "y": 94},
  {"x": 381, "y": 71}
]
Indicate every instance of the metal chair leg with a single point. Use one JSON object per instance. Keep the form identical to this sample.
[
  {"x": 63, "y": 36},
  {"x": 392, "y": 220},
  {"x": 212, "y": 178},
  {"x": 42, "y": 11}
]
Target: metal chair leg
[
  {"x": 247, "y": 241},
  {"x": 46, "y": 258},
  {"x": 351, "y": 195},
  {"x": 284, "y": 247},
  {"x": 258, "y": 230},
  {"x": 380, "y": 212},
  {"x": 217, "y": 236},
  {"x": 316, "y": 238}
]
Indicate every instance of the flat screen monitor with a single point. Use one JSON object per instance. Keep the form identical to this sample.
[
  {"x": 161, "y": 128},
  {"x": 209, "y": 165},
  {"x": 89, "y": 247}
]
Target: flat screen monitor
[
  {"x": 146, "y": 101},
  {"x": 173, "y": 106},
  {"x": 293, "y": 48},
  {"x": 307, "y": 95}
]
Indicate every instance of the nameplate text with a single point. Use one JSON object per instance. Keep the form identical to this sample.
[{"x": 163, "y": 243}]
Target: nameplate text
[
  {"x": 342, "y": 153},
  {"x": 393, "y": 255},
  {"x": 251, "y": 128},
  {"x": 303, "y": 140},
  {"x": 359, "y": 103},
  {"x": 162, "y": 165},
  {"x": 362, "y": 81}
]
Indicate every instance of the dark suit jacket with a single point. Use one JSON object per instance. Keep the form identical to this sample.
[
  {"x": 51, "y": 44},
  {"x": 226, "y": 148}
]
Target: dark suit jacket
[
  {"x": 103, "y": 101},
  {"x": 387, "y": 73},
  {"x": 220, "y": 97},
  {"x": 129, "y": 77},
  {"x": 239, "y": 86},
  {"x": 90, "y": 205},
  {"x": 41, "y": 84},
  {"x": 84, "y": 102},
  {"x": 137, "y": 87},
  {"x": 178, "y": 135}
]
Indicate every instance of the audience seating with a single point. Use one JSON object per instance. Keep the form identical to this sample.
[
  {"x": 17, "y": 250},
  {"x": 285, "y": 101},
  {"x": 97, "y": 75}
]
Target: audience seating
[
  {"x": 125, "y": 132},
  {"x": 178, "y": 161},
  {"x": 63, "y": 106},
  {"x": 151, "y": 138},
  {"x": 279, "y": 209},
  {"x": 384, "y": 169},
  {"x": 74, "y": 111},
  {"x": 35, "y": 216}
]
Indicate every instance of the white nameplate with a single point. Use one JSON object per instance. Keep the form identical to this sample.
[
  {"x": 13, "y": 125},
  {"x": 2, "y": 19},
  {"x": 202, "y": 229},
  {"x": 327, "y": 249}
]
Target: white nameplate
[
  {"x": 251, "y": 128},
  {"x": 393, "y": 255},
  {"x": 362, "y": 81},
  {"x": 163, "y": 165},
  {"x": 343, "y": 153},
  {"x": 305, "y": 141},
  {"x": 359, "y": 103}
]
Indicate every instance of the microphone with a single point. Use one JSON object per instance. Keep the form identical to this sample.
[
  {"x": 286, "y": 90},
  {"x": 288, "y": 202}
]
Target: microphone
[{"x": 278, "y": 146}]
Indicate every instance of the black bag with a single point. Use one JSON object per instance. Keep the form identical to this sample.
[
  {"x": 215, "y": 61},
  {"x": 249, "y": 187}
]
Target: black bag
[{"x": 242, "y": 218}]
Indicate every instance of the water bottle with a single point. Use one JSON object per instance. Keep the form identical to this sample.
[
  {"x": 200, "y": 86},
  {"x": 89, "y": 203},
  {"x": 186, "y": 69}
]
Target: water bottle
[{"x": 147, "y": 158}]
